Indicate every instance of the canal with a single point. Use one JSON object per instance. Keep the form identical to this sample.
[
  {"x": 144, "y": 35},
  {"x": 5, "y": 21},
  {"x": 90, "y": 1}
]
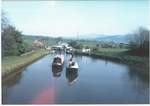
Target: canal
[{"x": 96, "y": 81}]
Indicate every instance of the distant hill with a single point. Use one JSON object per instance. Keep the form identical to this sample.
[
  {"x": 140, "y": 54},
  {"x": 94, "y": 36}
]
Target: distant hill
[
  {"x": 90, "y": 37},
  {"x": 114, "y": 38},
  {"x": 105, "y": 38}
]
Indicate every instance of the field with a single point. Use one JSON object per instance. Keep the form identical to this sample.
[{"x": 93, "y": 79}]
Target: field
[{"x": 122, "y": 55}]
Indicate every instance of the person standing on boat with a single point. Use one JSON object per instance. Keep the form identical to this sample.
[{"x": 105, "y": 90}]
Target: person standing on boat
[
  {"x": 71, "y": 60},
  {"x": 72, "y": 55}
]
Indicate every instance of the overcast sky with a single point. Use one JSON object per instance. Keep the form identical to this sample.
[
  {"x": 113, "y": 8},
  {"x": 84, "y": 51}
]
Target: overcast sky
[{"x": 66, "y": 18}]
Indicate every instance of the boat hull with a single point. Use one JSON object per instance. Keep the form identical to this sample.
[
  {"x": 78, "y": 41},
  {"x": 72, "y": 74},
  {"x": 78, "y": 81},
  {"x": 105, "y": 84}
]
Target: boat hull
[
  {"x": 56, "y": 71},
  {"x": 71, "y": 76}
]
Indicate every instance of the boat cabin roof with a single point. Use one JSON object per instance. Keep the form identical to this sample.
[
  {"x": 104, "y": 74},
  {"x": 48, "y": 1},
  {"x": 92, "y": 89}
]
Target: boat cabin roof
[{"x": 58, "y": 56}]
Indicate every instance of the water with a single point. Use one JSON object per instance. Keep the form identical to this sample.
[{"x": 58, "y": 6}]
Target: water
[{"x": 97, "y": 81}]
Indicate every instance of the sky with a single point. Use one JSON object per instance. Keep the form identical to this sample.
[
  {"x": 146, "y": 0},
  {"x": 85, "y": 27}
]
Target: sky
[{"x": 67, "y": 18}]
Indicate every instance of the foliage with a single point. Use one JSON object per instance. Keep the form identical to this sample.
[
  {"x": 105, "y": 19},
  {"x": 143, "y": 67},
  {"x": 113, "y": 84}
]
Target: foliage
[
  {"x": 87, "y": 47},
  {"x": 96, "y": 48},
  {"x": 72, "y": 43},
  {"x": 76, "y": 45},
  {"x": 12, "y": 43},
  {"x": 79, "y": 46},
  {"x": 48, "y": 41}
]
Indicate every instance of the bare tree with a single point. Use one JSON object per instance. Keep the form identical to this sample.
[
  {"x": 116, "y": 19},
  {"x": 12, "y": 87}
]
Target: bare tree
[
  {"x": 139, "y": 39},
  {"x": 4, "y": 21}
]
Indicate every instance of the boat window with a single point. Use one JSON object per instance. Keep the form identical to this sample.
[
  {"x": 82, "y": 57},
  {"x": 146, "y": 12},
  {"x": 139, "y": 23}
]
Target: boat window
[{"x": 57, "y": 60}]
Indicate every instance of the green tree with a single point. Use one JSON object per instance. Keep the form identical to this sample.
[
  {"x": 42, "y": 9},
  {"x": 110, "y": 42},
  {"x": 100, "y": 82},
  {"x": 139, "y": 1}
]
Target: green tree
[
  {"x": 95, "y": 49},
  {"x": 87, "y": 47},
  {"x": 9, "y": 45},
  {"x": 79, "y": 46},
  {"x": 97, "y": 45},
  {"x": 73, "y": 43},
  {"x": 12, "y": 42}
]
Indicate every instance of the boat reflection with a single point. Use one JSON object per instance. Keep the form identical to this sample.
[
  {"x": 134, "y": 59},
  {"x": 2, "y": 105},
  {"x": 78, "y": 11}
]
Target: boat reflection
[
  {"x": 71, "y": 75},
  {"x": 56, "y": 71}
]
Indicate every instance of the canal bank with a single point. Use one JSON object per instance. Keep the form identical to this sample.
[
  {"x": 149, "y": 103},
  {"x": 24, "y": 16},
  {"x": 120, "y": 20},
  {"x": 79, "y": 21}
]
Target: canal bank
[
  {"x": 13, "y": 64},
  {"x": 137, "y": 61}
]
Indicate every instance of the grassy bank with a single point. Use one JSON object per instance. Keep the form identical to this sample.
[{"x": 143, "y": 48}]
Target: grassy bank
[
  {"x": 119, "y": 55},
  {"x": 10, "y": 64}
]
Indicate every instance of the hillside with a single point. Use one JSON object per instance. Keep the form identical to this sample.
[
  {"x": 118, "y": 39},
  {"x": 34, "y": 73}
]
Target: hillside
[
  {"x": 114, "y": 38},
  {"x": 105, "y": 38}
]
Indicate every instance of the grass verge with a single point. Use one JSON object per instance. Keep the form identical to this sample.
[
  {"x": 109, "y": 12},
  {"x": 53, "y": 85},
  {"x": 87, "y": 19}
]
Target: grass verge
[{"x": 11, "y": 64}]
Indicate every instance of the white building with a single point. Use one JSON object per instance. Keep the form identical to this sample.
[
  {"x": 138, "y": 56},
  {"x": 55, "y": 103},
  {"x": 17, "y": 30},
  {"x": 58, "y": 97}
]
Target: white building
[{"x": 86, "y": 50}]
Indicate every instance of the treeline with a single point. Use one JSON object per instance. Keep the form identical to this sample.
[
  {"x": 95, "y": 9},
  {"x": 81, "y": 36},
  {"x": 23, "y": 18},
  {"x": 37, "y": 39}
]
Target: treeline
[
  {"x": 12, "y": 42},
  {"x": 48, "y": 41},
  {"x": 138, "y": 43},
  {"x": 79, "y": 44}
]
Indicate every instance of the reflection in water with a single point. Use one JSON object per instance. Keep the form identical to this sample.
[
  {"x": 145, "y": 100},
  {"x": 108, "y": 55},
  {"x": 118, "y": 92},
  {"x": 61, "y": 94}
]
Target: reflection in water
[
  {"x": 13, "y": 79},
  {"x": 106, "y": 62},
  {"x": 56, "y": 71},
  {"x": 140, "y": 73},
  {"x": 46, "y": 96},
  {"x": 139, "y": 80},
  {"x": 10, "y": 82},
  {"x": 71, "y": 75}
]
